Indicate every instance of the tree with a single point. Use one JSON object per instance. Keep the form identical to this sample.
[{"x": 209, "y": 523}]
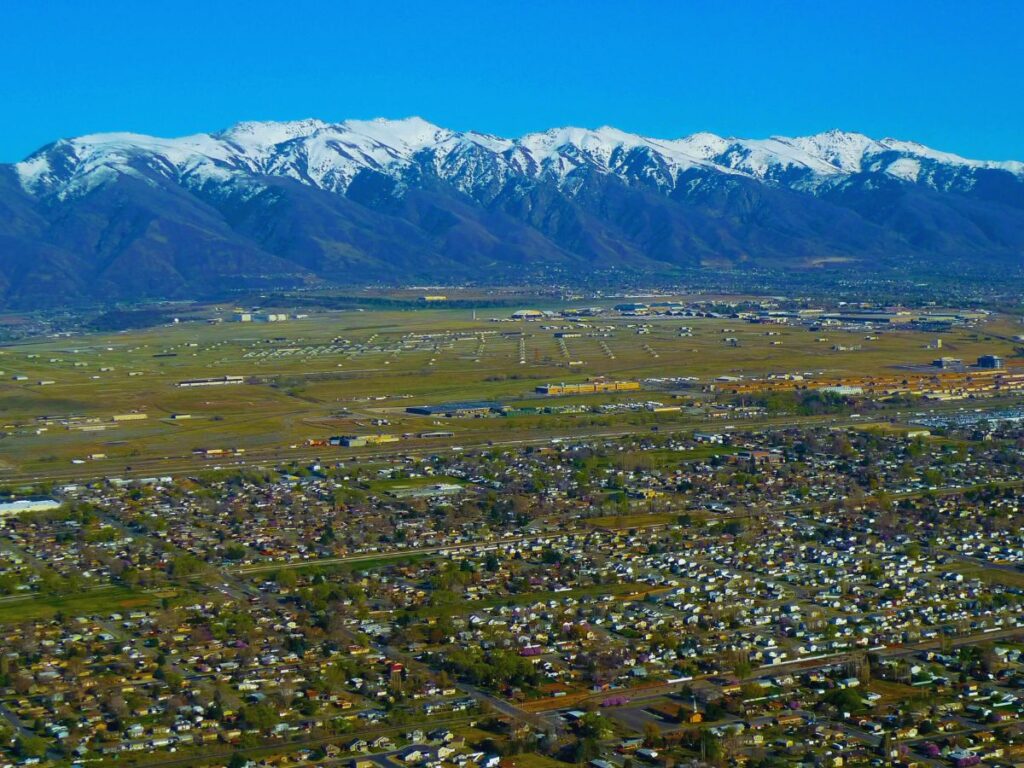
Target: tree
[
  {"x": 711, "y": 746},
  {"x": 286, "y": 579},
  {"x": 652, "y": 736},
  {"x": 714, "y": 710},
  {"x": 30, "y": 746},
  {"x": 261, "y": 717},
  {"x": 594, "y": 725},
  {"x": 185, "y": 565},
  {"x": 845, "y": 699},
  {"x": 733, "y": 528},
  {"x": 174, "y": 680},
  {"x": 742, "y": 668},
  {"x": 234, "y": 551},
  {"x": 586, "y": 750}
]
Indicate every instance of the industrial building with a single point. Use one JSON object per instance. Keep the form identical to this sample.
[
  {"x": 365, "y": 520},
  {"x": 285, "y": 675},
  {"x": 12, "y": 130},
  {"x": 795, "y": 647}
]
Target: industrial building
[
  {"x": 241, "y": 316},
  {"x": 465, "y": 408},
  {"x": 587, "y": 388},
  {"x": 11, "y": 508},
  {"x": 990, "y": 361},
  {"x": 358, "y": 441},
  {"x": 211, "y": 382}
]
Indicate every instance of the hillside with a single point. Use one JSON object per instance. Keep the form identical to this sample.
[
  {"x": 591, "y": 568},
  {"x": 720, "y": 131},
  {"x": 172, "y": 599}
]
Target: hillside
[{"x": 125, "y": 216}]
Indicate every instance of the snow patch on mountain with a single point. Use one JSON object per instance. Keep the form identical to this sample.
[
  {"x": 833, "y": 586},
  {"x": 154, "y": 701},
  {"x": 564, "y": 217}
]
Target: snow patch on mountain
[{"x": 906, "y": 168}]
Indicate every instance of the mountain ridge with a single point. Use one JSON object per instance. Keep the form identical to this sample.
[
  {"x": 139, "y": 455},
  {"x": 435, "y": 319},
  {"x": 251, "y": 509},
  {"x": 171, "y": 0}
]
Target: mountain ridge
[
  {"x": 122, "y": 215},
  {"x": 260, "y": 146}
]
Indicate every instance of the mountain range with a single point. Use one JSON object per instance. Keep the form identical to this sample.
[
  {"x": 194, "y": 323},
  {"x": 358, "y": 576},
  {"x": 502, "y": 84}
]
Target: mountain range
[{"x": 122, "y": 216}]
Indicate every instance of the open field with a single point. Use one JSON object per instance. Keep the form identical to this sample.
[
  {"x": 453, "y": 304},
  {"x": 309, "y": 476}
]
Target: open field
[
  {"x": 102, "y": 600},
  {"x": 625, "y": 522},
  {"x": 352, "y": 372}
]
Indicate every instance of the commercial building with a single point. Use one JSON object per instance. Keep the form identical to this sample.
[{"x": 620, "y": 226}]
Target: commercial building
[
  {"x": 241, "y": 316},
  {"x": 843, "y": 390},
  {"x": 358, "y": 441},
  {"x": 211, "y": 382},
  {"x": 587, "y": 388},
  {"x": 464, "y": 408},
  {"x": 990, "y": 361},
  {"x": 631, "y": 308},
  {"x": 12, "y": 508}
]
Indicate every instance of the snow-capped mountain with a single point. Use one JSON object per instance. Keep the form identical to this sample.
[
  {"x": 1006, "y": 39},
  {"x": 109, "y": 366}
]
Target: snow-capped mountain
[
  {"x": 123, "y": 215},
  {"x": 330, "y": 155}
]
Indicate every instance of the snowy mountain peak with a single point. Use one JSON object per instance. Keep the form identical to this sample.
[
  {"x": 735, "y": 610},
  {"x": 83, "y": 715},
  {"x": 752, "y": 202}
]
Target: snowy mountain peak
[
  {"x": 599, "y": 143},
  {"x": 704, "y": 145},
  {"x": 843, "y": 150},
  {"x": 268, "y": 133},
  {"x": 125, "y": 216},
  {"x": 410, "y": 133},
  {"x": 331, "y": 155}
]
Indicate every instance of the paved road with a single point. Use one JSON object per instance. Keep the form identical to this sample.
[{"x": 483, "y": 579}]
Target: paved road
[{"x": 19, "y": 727}]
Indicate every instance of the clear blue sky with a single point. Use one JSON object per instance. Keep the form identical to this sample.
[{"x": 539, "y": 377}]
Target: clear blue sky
[{"x": 947, "y": 73}]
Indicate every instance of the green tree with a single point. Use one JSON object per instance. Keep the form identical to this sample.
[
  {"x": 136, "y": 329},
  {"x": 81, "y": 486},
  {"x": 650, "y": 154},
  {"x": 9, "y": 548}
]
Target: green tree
[
  {"x": 286, "y": 579},
  {"x": 586, "y": 750},
  {"x": 30, "y": 746},
  {"x": 261, "y": 717},
  {"x": 594, "y": 725}
]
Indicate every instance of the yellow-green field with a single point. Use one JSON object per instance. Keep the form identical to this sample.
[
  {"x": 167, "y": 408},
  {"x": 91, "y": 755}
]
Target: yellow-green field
[{"x": 336, "y": 372}]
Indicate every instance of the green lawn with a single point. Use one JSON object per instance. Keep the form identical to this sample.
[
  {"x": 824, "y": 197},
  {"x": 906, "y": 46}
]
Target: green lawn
[{"x": 101, "y": 601}]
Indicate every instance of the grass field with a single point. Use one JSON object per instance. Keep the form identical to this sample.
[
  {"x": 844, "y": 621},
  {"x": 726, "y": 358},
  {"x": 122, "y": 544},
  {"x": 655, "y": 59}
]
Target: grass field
[
  {"x": 398, "y": 486},
  {"x": 356, "y": 372},
  {"x": 102, "y": 601},
  {"x": 1002, "y": 576},
  {"x": 625, "y": 522}
]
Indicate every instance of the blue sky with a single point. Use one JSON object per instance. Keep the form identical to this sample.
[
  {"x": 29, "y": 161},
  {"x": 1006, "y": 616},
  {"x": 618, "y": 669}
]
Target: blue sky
[{"x": 947, "y": 74}]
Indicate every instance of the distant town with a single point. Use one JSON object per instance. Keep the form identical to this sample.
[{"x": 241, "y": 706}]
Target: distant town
[{"x": 680, "y": 530}]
